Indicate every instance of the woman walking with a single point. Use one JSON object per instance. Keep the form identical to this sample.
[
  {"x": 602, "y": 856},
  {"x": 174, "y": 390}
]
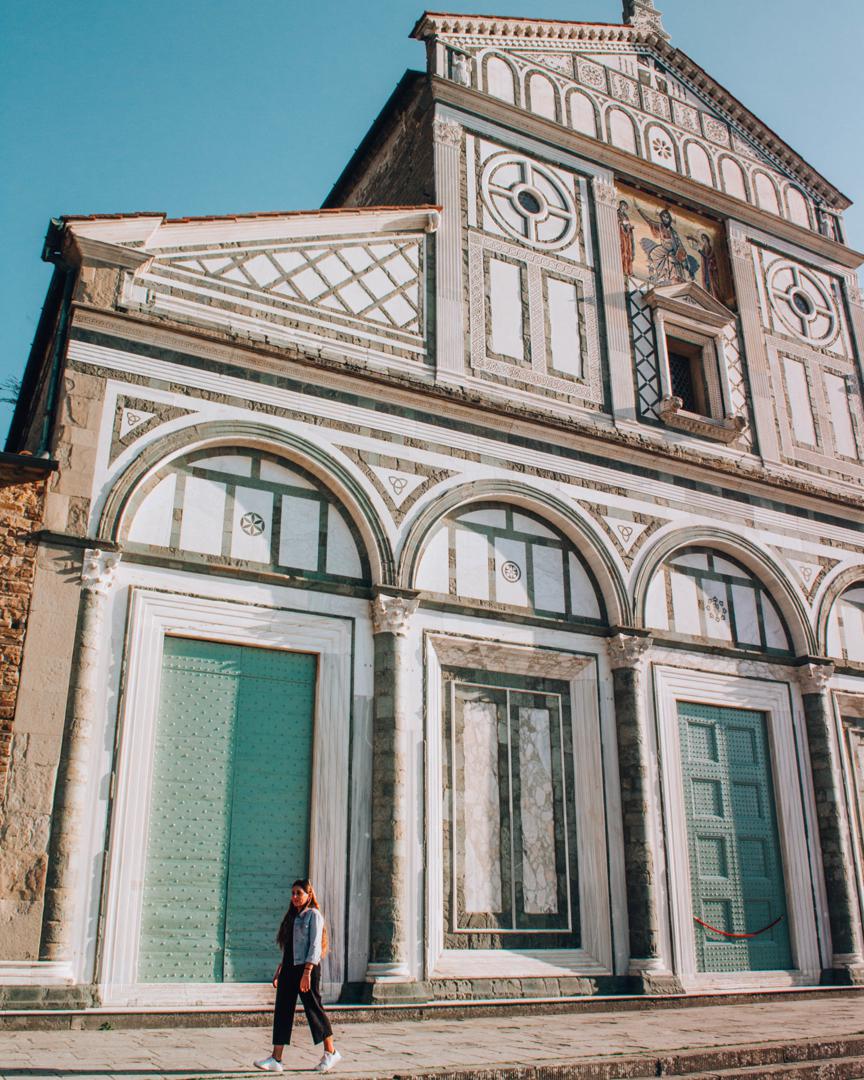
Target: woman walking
[{"x": 303, "y": 939}]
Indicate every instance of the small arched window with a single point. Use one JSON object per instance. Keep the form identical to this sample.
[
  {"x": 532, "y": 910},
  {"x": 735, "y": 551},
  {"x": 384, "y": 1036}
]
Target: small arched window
[
  {"x": 230, "y": 505},
  {"x": 698, "y": 593},
  {"x": 501, "y": 556}
]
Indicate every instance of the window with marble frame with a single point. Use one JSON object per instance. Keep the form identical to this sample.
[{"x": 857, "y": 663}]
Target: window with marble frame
[
  {"x": 705, "y": 595},
  {"x": 238, "y": 505},
  {"x": 509, "y": 833}
]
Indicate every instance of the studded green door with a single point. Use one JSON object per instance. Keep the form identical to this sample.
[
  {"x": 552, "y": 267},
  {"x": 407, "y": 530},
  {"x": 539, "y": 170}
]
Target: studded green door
[
  {"x": 736, "y": 869},
  {"x": 229, "y": 810}
]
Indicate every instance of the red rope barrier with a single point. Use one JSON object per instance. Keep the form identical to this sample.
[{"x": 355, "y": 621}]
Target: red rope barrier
[{"x": 724, "y": 933}]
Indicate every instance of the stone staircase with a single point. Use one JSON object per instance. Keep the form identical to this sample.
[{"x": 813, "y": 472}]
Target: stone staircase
[{"x": 808, "y": 1059}]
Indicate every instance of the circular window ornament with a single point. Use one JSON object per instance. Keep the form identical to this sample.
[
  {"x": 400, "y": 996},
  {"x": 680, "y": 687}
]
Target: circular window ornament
[
  {"x": 530, "y": 202},
  {"x": 803, "y": 303},
  {"x": 511, "y": 571}
]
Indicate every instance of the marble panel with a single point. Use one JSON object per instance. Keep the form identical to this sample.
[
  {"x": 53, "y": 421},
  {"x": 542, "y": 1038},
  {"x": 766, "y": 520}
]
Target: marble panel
[
  {"x": 836, "y": 391},
  {"x": 235, "y": 464},
  {"x": 746, "y": 615},
  {"x": 800, "y": 407},
  {"x": 272, "y": 470},
  {"x": 299, "y": 533},
  {"x": 433, "y": 574},
  {"x": 548, "y": 567},
  {"x": 543, "y": 96},
  {"x": 505, "y": 301},
  {"x": 481, "y": 808},
  {"x": 583, "y": 595},
  {"x": 342, "y": 555},
  {"x": 203, "y": 516},
  {"x": 472, "y": 565},
  {"x": 511, "y": 572},
  {"x": 775, "y": 635},
  {"x": 718, "y": 623},
  {"x": 537, "y": 813},
  {"x": 154, "y": 517},
  {"x": 524, "y": 524},
  {"x": 252, "y": 524},
  {"x": 564, "y": 337},
  {"x": 685, "y": 604},
  {"x": 495, "y": 519},
  {"x": 656, "y": 614}
]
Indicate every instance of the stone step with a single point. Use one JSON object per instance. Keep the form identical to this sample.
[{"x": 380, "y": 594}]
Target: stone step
[
  {"x": 34, "y": 1008},
  {"x": 807, "y": 1059},
  {"x": 844, "y": 1068}
]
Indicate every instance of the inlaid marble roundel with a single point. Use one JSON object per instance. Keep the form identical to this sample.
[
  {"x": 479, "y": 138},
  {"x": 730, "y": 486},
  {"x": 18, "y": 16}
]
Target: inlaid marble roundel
[
  {"x": 803, "y": 303},
  {"x": 529, "y": 201}
]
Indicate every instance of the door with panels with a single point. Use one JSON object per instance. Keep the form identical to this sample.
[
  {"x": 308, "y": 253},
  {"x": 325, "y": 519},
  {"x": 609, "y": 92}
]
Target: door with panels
[
  {"x": 736, "y": 871},
  {"x": 229, "y": 809}
]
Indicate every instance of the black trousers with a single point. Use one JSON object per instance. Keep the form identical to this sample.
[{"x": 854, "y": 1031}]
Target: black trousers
[{"x": 287, "y": 989}]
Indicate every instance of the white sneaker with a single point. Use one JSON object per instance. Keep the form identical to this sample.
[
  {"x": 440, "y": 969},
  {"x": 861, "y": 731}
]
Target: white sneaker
[
  {"x": 269, "y": 1064},
  {"x": 328, "y": 1061}
]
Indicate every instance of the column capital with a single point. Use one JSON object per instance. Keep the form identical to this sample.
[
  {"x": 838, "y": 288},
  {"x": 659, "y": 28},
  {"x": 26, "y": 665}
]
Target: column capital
[
  {"x": 627, "y": 650},
  {"x": 740, "y": 248},
  {"x": 605, "y": 192},
  {"x": 392, "y": 612},
  {"x": 447, "y": 132},
  {"x": 814, "y": 676},
  {"x": 99, "y": 569}
]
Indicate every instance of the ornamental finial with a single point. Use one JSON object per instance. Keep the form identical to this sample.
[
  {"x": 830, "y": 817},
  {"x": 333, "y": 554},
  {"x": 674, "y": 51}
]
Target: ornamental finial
[{"x": 642, "y": 15}]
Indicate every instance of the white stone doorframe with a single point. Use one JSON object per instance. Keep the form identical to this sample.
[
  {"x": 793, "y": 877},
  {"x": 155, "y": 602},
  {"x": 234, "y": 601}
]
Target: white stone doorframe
[
  {"x": 775, "y": 700},
  {"x": 591, "y": 797},
  {"x": 152, "y": 615}
]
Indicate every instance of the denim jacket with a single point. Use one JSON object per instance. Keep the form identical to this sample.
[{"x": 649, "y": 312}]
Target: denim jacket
[{"x": 308, "y": 934}]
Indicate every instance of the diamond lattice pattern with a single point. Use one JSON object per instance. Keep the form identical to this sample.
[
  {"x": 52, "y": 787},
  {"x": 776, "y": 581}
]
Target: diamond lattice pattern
[{"x": 379, "y": 281}]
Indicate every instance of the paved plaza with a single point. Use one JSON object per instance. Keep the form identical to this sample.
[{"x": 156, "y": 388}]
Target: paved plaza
[{"x": 378, "y": 1049}]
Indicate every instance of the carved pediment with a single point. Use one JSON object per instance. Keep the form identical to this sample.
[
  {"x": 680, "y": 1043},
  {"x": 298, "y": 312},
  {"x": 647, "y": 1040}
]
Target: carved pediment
[{"x": 691, "y": 301}]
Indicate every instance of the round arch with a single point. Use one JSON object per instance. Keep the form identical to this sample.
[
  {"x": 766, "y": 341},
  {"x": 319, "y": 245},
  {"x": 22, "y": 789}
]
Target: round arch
[
  {"x": 749, "y": 555},
  {"x": 846, "y": 579},
  {"x": 332, "y": 474},
  {"x": 554, "y": 511}
]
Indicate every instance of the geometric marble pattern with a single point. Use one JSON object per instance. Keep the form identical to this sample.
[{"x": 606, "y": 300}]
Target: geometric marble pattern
[
  {"x": 372, "y": 279},
  {"x": 645, "y": 351}
]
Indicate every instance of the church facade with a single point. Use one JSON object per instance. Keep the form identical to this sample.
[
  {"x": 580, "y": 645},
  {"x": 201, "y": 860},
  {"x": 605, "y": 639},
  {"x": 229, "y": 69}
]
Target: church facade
[{"x": 487, "y": 544}]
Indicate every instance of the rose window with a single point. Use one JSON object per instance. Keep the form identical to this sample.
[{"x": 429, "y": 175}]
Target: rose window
[
  {"x": 803, "y": 303},
  {"x": 529, "y": 201}
]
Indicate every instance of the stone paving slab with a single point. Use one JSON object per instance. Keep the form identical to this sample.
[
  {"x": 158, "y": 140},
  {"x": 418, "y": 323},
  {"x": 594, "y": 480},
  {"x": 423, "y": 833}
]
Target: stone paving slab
[{"x": 378, "y": 1050}]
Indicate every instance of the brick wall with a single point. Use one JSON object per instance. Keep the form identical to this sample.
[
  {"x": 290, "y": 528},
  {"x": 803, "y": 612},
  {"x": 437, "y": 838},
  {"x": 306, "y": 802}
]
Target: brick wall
[{"x": 22, "y": 496}]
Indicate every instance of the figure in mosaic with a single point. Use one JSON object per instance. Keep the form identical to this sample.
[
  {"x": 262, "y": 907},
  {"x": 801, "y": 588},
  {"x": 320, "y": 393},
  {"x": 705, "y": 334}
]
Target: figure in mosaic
[
  {"x": 668, "y": 261},
  {"x": 710, "y": 270},
  {"x": 628, "y": 239}
]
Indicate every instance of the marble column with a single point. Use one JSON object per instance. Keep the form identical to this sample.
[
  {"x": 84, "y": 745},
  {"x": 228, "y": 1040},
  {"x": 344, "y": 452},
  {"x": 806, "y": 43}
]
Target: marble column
[
  {"x": 847, "y": 962},
  {"x": 388, "y": 970},
  {"x": 69, "y": 819},
  {"x": 450, "y": 316},
  {"x": 621, "y": 376},
  {"x": 627, "y": 652}
]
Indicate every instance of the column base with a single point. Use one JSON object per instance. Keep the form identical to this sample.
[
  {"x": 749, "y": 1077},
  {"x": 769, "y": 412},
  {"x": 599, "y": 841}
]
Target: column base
[
  {"x": 651, "y": 976},
  {"x": 847, "y": 969},
  {"x": 393, "y": 984}
]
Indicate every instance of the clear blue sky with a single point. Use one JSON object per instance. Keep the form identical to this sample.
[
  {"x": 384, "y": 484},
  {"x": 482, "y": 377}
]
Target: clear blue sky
[{"x": 229, "y": 106}]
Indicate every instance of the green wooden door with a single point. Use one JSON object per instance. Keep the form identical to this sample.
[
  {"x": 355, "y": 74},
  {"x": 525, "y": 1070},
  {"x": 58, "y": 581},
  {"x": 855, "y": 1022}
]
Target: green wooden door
[
  {"x": 736, "y": 869},
  {"x": 229, "y": 813}
]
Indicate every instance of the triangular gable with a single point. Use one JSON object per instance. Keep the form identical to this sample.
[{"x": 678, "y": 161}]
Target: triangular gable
[
  {"x": 624, "y": 84},
  {"x": 688, "y": 298}
]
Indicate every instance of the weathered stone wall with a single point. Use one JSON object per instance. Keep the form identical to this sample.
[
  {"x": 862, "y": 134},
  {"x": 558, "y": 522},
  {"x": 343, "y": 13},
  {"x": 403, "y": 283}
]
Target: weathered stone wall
[
  {"x": 22, "y": 871},
  {"x": 25, "y": 817},
  {"x": 21, "y": 504}
]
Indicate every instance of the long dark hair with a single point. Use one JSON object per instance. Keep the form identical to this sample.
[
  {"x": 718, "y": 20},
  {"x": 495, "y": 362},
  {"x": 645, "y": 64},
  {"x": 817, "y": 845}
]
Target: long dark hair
[{"x": 286, "y": 927}]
